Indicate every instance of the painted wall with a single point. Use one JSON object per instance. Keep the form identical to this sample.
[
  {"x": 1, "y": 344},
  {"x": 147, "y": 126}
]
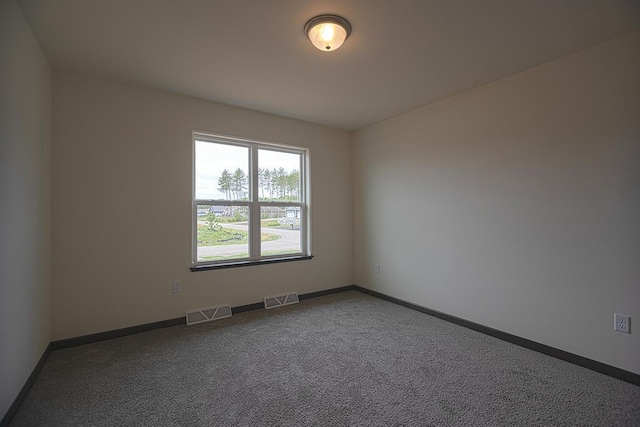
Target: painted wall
[
  {"x": 25, "y": 202},
  {"x": 515, "y": 205},
  {"x": 122, "y": 206}
]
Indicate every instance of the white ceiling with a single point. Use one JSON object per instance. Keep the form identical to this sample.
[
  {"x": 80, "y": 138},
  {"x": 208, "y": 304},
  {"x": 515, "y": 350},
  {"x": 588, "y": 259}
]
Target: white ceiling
[{"x": 402, "y": 54}]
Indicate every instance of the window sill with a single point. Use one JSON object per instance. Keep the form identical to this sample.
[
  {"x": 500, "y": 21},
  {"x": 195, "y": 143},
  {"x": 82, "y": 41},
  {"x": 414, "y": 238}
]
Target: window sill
[{"x": 206, "y": 267}]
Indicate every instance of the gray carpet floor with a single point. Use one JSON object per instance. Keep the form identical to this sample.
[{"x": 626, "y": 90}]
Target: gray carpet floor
[{"x": 343, "y": 359}]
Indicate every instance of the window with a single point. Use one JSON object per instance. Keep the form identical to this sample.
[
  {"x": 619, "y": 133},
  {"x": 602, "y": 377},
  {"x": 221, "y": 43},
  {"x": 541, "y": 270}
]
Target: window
[{"x": 250, "y": 202}]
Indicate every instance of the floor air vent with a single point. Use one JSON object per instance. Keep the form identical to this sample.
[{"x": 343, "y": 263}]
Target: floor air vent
[
  {"x": 208, "y": 314},
  {"x": 280, "y": 300}
]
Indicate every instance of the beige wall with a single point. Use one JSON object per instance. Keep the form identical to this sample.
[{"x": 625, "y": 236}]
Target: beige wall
[
  {"x": 122, "y": 206},
  {"x": 25, "y": 203},
  {"x": 515, "y": 205}
]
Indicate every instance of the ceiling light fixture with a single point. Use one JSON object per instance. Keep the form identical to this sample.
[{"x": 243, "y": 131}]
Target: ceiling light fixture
[{"x": 327, "y": 32}]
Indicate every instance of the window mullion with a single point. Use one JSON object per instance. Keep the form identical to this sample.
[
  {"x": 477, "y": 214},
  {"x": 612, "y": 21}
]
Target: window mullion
[{"x": 254, "y": 234}]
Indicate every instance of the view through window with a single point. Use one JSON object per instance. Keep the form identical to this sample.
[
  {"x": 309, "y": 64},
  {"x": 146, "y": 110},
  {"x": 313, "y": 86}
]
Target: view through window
[{"x": 250, "y": 200}]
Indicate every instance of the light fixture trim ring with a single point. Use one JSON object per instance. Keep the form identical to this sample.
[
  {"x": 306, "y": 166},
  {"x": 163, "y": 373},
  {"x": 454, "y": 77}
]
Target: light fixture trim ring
[{"x": 327, "y": 19}]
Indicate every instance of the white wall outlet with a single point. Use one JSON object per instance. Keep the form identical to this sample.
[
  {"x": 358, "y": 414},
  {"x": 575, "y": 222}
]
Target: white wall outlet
[
  {"x": 376, "y": 268},
  {"x": 176, "y": 287},
  {"x": 622, "y": 323}
]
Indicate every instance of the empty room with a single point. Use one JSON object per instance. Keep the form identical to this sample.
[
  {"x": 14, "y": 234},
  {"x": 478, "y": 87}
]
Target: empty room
[{"x": 330, "y": 213}]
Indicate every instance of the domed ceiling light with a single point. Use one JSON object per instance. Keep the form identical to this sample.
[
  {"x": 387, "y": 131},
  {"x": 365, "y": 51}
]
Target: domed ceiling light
[{"x": 327, "y": 32}]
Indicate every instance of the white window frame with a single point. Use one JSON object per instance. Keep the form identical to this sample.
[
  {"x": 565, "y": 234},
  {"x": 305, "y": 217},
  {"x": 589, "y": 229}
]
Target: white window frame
[{"x": 253, "y": 204}]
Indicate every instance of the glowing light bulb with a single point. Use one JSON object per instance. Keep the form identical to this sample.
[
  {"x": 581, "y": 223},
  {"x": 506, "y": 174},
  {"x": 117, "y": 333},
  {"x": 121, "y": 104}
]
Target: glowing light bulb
[{"x": 327, "y": 32}]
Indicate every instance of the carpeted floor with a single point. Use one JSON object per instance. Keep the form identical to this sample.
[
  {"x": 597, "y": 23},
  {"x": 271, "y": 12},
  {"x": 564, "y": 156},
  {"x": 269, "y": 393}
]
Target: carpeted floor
[{"x": 343, "y": 359}]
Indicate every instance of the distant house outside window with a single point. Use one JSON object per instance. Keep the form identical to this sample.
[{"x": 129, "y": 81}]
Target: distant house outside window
[{"x": 250, "y": 201}]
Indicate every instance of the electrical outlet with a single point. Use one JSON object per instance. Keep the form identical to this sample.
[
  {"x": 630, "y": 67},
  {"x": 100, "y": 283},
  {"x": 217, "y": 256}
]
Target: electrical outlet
[
  {"x": 176, "y": 287},
  {"x": 622, "y": 323},
  {"x": 376, "y": 268}
]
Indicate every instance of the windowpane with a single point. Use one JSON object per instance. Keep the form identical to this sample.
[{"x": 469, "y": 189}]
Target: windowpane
[
  {"x": 280, "y": 230},
  {"x": 249, "y": 201},
  {"x": 222, "y": 232},
  {"x": 222, "y": 171},
  {"x": 278, "y": 176}
]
